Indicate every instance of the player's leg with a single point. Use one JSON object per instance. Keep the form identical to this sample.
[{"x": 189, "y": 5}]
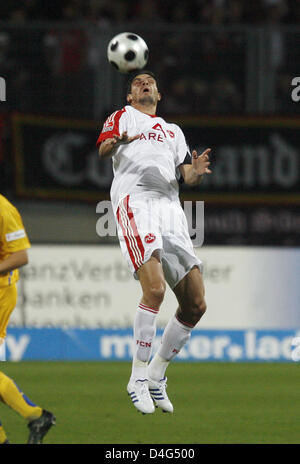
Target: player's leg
[
  {"x": 8, "y": 301},
  {"x": 39, "y": 420},
  {"x": 3, "y": 436},
  {"x": 190, "y": 295},
  {"x": 153, "y": 285},
  {"x": 9, "y": 393},
  {"x": 13, "y": 397},
  {"x": 141, "y": 245}
]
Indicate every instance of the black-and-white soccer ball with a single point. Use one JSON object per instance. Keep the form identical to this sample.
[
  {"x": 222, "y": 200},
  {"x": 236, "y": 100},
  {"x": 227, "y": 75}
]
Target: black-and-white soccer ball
[{"x": 127, "y": 52}]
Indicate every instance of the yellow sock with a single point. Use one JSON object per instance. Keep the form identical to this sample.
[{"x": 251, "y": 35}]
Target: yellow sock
[
  {"x": 11, "y": 395},
  {"x": 3, "y": 436}
]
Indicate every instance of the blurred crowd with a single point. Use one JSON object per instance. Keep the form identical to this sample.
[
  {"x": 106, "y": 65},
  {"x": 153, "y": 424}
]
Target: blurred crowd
[
  {"x": 213, "y": 12},
  {"x": 203, "y": 73}
]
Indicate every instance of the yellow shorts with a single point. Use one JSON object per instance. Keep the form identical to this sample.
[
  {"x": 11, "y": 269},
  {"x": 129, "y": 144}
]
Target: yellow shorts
[{"x": 8, "y": 301}]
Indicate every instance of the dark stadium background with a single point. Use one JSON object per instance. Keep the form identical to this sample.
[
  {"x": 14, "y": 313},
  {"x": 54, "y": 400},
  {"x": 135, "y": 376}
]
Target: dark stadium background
[{"x": 225, "y": 70}]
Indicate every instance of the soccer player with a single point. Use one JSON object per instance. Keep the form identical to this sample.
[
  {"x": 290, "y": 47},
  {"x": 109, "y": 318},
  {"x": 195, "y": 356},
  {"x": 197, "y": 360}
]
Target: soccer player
[
  {"x": 13, "y": 255},
  {"x": 149, "y": 156}
]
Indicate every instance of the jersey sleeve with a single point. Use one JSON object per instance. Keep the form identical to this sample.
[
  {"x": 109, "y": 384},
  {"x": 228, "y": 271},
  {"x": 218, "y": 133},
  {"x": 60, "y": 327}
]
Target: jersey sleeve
[
  {"x": 114, "y": 125},
  {"x": 14, "y": 237}
]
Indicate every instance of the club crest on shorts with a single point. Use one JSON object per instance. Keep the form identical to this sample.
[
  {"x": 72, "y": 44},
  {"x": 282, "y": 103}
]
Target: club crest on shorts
[{"x": 149, "y": 238}]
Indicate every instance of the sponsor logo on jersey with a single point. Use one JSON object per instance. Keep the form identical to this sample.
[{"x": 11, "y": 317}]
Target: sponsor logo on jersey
[
  {"x": 158, "y": 127},
  {"x": 149, "y": 238},
  {"x": 160, "y": 135},
  {"x": 106, "y": 129},
  {"x": 15, "y": 235}
]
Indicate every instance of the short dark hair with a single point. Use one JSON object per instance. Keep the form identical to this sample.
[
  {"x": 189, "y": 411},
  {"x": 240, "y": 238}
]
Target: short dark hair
[{"x": 134, "y": 74}]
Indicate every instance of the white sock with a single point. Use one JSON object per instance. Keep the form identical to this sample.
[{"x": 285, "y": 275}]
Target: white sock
[
  {"x": 175, "y": 336},
  {"x": 143, "y": 335}
]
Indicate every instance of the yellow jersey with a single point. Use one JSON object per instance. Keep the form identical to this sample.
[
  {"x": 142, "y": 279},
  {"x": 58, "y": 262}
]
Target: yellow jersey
[{"x": 13, "y": 237}]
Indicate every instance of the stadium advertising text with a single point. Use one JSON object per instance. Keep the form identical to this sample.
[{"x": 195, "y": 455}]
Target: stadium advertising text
[
  {"x": 296, "y": 349},
  {"x": 85, "y": 287},
  {"x": 215, "y": 345},
  {"x": 81, "y": 305},
  {"x": 253, "y": 192},
  {"x": 251, "y": 157},
  {"x": 117, "y": 345}
]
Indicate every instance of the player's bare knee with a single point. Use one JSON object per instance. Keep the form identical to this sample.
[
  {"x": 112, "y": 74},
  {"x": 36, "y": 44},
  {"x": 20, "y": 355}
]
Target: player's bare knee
[
  {"x": 155, "y": 294},
  {"x": 201, "y": 307},
  {"x": 191, "y": 311},
  {"x": 198, "y": 309}
]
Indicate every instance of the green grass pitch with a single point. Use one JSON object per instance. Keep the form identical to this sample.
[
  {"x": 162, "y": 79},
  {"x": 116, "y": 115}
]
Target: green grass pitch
[{"x": 256, "y": 403}]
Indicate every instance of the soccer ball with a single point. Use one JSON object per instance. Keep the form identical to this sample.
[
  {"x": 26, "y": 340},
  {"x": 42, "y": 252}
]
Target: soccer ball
[{"x": 127, "y": 52}]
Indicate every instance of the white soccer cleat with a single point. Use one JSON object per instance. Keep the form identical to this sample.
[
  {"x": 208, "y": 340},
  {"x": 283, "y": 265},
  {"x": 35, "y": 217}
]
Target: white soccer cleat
[
  {"x": 140, "y": 396},
  {"x": 159, "y": 395}
]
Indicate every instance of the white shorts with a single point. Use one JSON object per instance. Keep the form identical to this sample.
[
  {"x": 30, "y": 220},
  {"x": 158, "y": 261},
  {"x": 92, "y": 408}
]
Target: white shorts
[{"x": 149, "y": 224}]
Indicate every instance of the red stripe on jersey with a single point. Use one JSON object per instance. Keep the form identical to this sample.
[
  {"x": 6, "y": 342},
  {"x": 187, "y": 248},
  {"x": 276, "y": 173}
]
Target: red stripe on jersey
[
  {"x": 134, "y": 227},
  {"x": 120, "y": 221},
  {"x": 129, "y": 236},
  {"x": 132, "y": 239},
  {"x": 110, "y": 127}
]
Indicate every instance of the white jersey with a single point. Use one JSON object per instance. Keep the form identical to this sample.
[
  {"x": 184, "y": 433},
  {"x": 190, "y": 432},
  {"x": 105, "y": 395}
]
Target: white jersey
[{"x": 148, "y": 164}]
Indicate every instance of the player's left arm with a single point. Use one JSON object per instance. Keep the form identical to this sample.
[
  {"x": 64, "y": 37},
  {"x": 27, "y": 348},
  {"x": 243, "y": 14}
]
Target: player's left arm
[
  {"x": 193, "y": 173},
  {"x": 14, "y": 261}
]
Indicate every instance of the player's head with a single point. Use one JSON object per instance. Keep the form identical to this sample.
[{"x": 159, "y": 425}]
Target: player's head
[{"x": 142, "y": 86}]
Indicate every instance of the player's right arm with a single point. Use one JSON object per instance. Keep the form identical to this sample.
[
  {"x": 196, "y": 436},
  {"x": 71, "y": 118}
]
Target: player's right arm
[{"x": 109, "y": 146}]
